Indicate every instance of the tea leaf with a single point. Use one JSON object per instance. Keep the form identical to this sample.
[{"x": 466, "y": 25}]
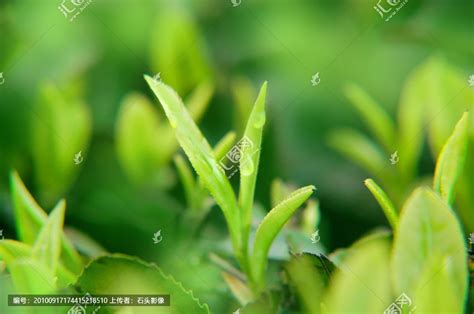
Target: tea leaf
[
  {"x": 359, "y": 148},
  {"x": 200, "y": 154},
  {"x": 30, "y": 218},
  {"x": 339, "y": 256},
  {"x": 435, "y": 292},
  {"x": 451, "y": 160},
  {"x": 384, "y": 202},
  {"x": 249, "y": 162},
  {"x": 450, "y": 95},
  {"x": 411, "y": 113},
  {"x": 271, "y": 225},
  {"x": 47, "y": 246},
  {"x": 10, "y": 251},
  {"x": 144, "y": 144},
  {"x": 378, "y": 120},
  {"x": 428, "y": 227},
  {"x": 137, "y": 277},
  {"x": 61, "y": 127},
  {"x": 359, "y": 287},
  {"x": 137, "y": 132},
  {"x": 31, "y": 276},
  {"x": 178, "y": 49},
  {"x": 196, "y": 105}
]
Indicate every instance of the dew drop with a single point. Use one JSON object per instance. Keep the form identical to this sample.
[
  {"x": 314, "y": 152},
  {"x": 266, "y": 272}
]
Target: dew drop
[
  {"x": 247, "y": 167},
  {"x": 173, "y": 122},
  {"x": 260, "y": 120}
]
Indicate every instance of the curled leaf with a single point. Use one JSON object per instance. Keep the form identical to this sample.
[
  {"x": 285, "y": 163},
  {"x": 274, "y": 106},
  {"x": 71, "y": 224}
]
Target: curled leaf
[
  {"x": 269, "y": 228},
  {"x": 451, "y": 160},
  {"x": 384, "y": 202}
]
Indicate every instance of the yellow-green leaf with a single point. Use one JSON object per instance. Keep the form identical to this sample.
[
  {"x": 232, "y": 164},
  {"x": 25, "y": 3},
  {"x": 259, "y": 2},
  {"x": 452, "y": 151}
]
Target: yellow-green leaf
[
  {"x": 378, "y": 120},
  {"x": 249, "y": 161},
  {"x": 178, "y": 49},
  {"x": 427, "y": 228},
  {"x": 435, "y": 290},
  {"x": 138, "y": 138},
  {"x": 362, "y": 283},
  {"x": 200, "y": 154},
  {"x": 451, "y": 160},
  {"x": 358, "y": 148},
  {"x": 11, "y": 250},
  {"x": 384, "y": 202},
  {"x": 47, "y": 247},
  {"x": 137, "y": 277},
  {"x": 31, "y": 276},
  {"x": 30, "y": 218},
  {"x": 269, "y": 228},
  {"x": 61, "y": 128}
]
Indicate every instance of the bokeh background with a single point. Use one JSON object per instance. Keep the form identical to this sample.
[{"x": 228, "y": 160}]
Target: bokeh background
[{"x": 87, "y": 68}]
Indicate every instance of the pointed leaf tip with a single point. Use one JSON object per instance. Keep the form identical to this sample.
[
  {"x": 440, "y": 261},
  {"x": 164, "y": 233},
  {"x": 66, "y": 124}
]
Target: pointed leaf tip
[
  {"x": 271, "y": 225},
  {"x": 451, "y": 160},
  {"x": 384, "y": 202}
]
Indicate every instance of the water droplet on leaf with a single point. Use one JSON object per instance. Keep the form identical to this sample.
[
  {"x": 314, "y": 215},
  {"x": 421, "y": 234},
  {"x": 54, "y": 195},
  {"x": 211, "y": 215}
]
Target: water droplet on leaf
[
  {"x": 260, "y": 120},
  {"x": 246, "y": 166},
  {"x": 173, "y": 123}
]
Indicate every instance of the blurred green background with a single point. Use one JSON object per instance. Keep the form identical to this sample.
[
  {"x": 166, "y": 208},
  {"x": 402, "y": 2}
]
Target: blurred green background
[{"x": 88, "y": 66}]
